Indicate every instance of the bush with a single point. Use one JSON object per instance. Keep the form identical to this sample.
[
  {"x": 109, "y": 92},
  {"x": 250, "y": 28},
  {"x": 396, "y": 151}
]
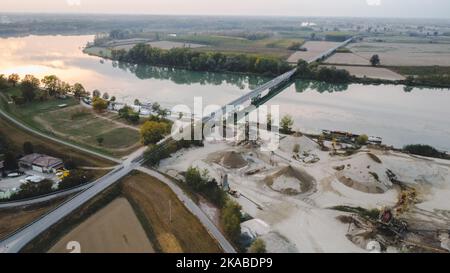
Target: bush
[
  {"x": 362, "y": 139},
  {"x": 75, "y": 178},
  {"x": 99, "y": 104},
  {"x": 30, "y": 189},
  {"x": 258, "y": 246}
]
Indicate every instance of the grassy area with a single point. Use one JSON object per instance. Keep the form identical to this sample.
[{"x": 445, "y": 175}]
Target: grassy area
[
  {"x": 73, "y": 123},
  {"x": 150, "y": 200},
  {"x": 17, "y": 137}
]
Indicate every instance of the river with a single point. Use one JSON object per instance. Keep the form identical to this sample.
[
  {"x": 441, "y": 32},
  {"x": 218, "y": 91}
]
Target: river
[{"x": 397, "y": 115}]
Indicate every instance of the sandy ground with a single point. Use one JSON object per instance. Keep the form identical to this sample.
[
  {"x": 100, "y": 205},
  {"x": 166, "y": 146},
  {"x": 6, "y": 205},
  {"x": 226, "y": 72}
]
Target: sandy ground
[
  {"x": 114, "y": 228},
  {"x": 407, "y": 54},
  {"x": 315, "y": 48},
  {"x": 372, "y": 72},
  {"x": 347, "y": 58},
  {"x": 304, "y": 221}
]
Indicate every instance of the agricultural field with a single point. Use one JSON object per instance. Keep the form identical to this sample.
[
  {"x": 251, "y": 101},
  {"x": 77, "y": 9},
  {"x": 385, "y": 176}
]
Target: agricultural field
[
  {"x": 114, "y": 228},
  {"x": 347, "y": 59},
  {"x": 163, "y": 45},
  {"x": 405, "y": 54},
  {"x": 371, "y": 72},
  {"x": 314, "y": 48},
  {"x": 150, "y": 198},
  {"x": 277, "y": 47},
  {"x": 132, "y": 216}
]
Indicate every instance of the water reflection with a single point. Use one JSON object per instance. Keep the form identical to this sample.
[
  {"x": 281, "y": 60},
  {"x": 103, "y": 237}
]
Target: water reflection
[
  {"x": 182, "y": 76},
  {"x": 401, "y": 115}
]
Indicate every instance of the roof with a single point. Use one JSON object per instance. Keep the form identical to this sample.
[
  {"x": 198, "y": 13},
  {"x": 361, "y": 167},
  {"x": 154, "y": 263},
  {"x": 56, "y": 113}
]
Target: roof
[{"x": 41, "y": 160}]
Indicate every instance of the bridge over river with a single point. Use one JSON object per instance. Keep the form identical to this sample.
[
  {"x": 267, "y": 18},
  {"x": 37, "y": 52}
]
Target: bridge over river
[{"x": 16, "y": 241}]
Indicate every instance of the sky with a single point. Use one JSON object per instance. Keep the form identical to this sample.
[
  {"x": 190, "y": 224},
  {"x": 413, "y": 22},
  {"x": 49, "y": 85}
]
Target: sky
[{"x": 353, "y": 8}]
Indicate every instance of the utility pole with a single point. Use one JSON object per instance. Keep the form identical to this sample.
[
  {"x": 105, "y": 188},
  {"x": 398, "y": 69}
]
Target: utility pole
[{"x": 170, "y": 211}]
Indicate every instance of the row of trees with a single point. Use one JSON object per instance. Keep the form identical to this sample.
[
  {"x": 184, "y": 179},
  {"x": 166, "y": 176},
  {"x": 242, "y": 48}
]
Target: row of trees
[
  {"x": 201, "y": 61},
  {"x": 322, "y": 73},
  {"x": 32, "y": 88}
]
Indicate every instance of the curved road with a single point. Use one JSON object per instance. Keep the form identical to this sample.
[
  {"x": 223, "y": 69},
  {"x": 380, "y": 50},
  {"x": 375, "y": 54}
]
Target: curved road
[{"x": 31, "y": 130}]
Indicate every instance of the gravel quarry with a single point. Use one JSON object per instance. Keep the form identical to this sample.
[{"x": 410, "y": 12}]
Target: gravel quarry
[{"x": 301, "y": 207}]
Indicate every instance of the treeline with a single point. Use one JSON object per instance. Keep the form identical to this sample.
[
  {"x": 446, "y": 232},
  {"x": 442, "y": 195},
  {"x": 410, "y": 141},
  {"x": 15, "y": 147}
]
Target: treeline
[
  {"x": 425, "y": 150},
  {"x": 33, "y": 88},
  {"x": 201, "y": 61}
]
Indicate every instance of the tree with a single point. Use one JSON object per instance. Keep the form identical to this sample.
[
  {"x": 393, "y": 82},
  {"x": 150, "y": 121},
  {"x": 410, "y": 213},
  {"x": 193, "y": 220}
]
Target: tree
[
  {"x": 105, "y": 96},
  {"x": 375, "y": 60},
  {"x": 10, "y": 161},
  {"x": 362, "y": 139},
  {"x": 113, "y": 99},
  {"x": 153, "y": 131},
  {"x": 96, "y": 93},
  {"x": 231, "y": 220},
  {"x": 286, "y": 124},
  {"x": 13, "y": 79},
  {"x": 99, "y": 104},
  {"x": 78, "y": 90},
  {"x": 29, "y": 86},
  {"x": 64, "y": 89},
  {"x": 100, "y": 140},
  {"x": 51, "y": 84},
  {"x": 194, "y": 178},
  {"x": 156, "y": 107},
  {"x": 3, "y": 81},
  {"x": 269, "y": 121},
  {"x": 137, "y": 102},
  {"x": 258, "y": 246},
  {"x": 28, "y": 148}
]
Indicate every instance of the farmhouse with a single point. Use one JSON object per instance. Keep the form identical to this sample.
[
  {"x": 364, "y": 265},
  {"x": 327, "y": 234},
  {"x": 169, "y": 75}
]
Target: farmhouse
[{"x": 40, "y": 163}]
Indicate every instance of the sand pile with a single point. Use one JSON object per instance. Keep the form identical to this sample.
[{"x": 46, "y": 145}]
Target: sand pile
[
  {"x": 290, "y": 181},
  {"x": 304, "y": 143},
  {"x": 364, "y": 173},
  {"x": 230, "y": 160}
]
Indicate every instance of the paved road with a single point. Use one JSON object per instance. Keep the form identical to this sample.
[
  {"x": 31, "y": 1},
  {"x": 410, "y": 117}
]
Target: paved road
[
  {"x": 23, "y": 236},
  {"x": 29, "y": 129},
  {"x": 204, "y": 219}
]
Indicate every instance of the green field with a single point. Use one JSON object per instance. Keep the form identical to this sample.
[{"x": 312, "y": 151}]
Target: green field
[{"x": 74, "y": 123}]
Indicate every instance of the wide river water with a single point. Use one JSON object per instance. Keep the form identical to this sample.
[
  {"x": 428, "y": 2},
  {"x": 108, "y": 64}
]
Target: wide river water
[{"x": 398, "y": 116}]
